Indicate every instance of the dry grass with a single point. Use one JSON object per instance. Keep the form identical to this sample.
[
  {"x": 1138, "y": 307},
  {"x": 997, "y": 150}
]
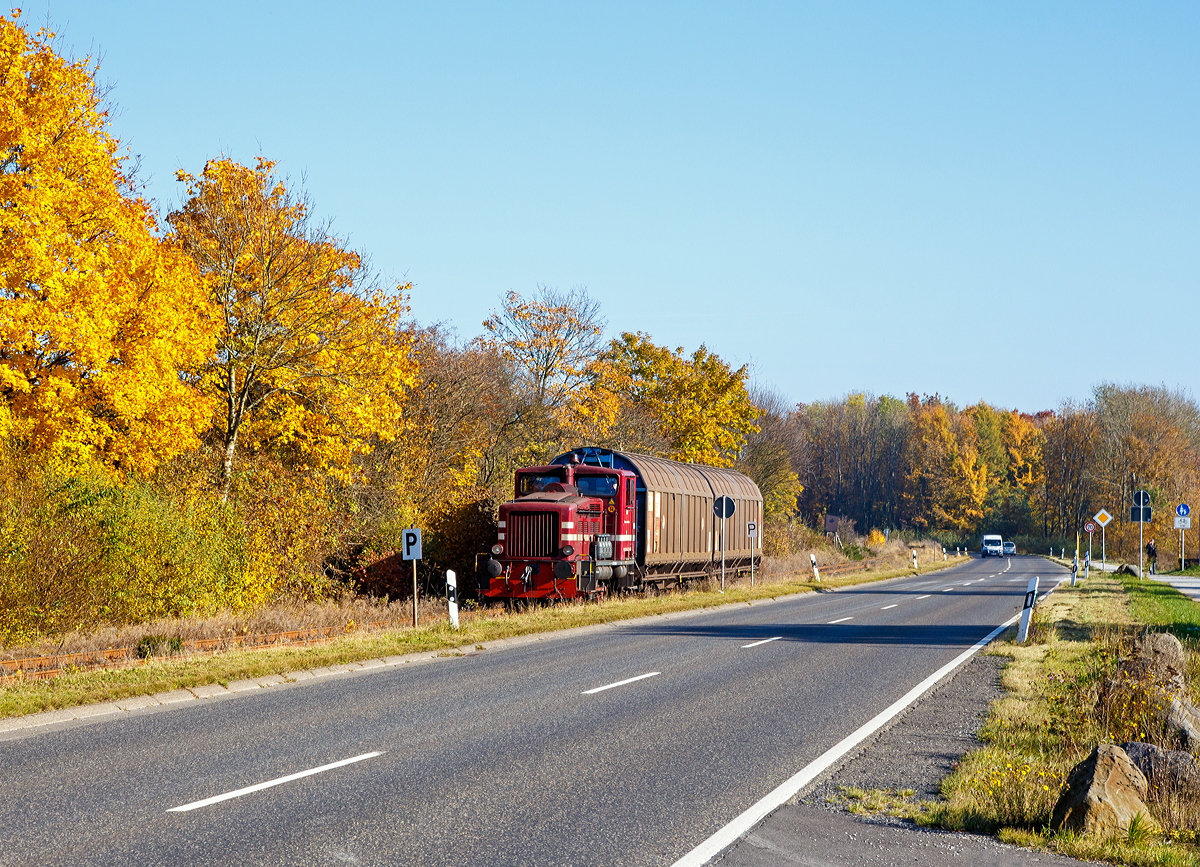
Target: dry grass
[{"x": 479, "y": 627}]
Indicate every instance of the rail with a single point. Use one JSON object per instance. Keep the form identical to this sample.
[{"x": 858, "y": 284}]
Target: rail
[{"x": 47, "y": 667}]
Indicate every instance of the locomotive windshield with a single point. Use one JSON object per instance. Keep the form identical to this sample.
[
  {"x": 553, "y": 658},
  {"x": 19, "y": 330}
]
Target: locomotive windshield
[
  {"x": 597, "y": 486},
  {"x": 532, "y": 483}
]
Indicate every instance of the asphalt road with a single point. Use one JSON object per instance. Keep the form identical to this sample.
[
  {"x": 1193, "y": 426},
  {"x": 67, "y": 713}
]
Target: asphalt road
[{"x": 503, "y": 757}]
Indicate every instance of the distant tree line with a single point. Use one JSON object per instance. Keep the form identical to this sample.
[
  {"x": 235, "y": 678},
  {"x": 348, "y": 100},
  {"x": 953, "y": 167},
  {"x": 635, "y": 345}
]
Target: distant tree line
[{"x": 925, "y": 465}]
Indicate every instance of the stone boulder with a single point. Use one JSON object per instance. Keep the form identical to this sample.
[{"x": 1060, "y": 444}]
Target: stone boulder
[
  {"x": 1126, "y": 569},
  {"x": 1158, "y": 658},
  {"x": 1104, "y": 792},
  {"x": 1173, "y": 770},
  {"x": 1183, "y": 721},
  {"x": 1158, "y": 665}
]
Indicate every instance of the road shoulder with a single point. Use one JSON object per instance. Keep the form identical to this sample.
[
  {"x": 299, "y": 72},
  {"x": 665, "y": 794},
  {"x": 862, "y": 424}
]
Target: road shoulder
[{"x": 915, "y": 752}]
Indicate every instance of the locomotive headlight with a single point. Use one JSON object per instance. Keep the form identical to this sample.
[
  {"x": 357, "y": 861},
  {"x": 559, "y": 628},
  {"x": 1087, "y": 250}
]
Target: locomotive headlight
[
  {"x": 497, "y": 549},
  {"x": 568, "y": 550}
]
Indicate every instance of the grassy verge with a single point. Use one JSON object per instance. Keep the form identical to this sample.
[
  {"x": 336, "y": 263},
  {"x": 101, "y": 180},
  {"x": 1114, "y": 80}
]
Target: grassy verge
[
  {"x": 1054, "y": 711},
  {"x": 478, "y": 629}
]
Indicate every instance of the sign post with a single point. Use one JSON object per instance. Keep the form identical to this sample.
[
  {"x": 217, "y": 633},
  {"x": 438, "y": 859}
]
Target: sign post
[
  {"x": 1141, "y": 514},
  {"x": 412, "y": 551},
  {"x": 723, "y": 508},
  {"x": 752, "y": 532},
  {"x": 1102, "y": 518},
  {"x": 1182, "y": 522}
]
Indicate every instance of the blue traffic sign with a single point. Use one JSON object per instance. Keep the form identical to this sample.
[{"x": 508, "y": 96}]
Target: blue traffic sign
[{"x": 1183, "y": 510}]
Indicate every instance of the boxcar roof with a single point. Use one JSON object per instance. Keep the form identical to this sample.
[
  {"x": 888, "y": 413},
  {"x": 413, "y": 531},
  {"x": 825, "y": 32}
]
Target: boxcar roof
[{"x": 661, "y": 474}]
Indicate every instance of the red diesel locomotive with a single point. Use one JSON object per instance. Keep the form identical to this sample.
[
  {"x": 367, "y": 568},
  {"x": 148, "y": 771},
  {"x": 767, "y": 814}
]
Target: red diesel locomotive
[{"x": 595, "y": 520}]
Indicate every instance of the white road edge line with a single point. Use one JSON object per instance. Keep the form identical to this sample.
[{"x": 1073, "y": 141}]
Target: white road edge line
[
  {"x": 764, "y": 641},
  {"x": 948, "y": 589},
  {"x": 839, "y": 620},
  {"x": 620, "y": 683},
  {"x": 730, "y": 834},
  {"x": 926, "y": 596},
  {"x": 216, "y": 799},
  {"x": 886, "y": 607}
]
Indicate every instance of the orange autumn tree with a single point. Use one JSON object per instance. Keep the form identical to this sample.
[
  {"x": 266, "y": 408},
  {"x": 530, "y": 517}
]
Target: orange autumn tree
[
  {"x": 98, "y": 316},
  {"x": 310, "y": 357}
]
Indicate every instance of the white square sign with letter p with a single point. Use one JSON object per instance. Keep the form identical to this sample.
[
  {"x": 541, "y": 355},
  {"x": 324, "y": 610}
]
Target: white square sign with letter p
[{"x": 411, "y": 545}]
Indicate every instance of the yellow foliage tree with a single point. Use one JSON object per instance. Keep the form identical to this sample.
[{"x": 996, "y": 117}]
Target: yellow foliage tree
[
  {"x": 701, "y": 405},
  {"x": 98, "y": 315},
  {"x": 311, "y": 360},
  {"x": 946, "y": 483},
  {"x": 1023, "y": 443}
]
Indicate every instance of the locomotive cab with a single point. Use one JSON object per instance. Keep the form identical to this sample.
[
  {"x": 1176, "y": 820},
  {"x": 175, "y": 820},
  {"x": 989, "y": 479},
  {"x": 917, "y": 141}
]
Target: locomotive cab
[{"x": 568, "y": 533}]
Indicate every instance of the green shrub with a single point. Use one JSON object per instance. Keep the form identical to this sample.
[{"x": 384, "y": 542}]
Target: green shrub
[{"x": 77, "y": 550}]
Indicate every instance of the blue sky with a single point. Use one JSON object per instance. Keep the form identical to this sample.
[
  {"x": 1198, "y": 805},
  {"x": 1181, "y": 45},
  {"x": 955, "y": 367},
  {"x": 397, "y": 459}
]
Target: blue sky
[{"x": 994, "y": 201}]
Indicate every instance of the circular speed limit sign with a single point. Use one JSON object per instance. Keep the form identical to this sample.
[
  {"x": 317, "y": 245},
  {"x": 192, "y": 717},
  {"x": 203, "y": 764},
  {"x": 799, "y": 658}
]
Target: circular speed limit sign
[{"x": 1089, "y": 527}]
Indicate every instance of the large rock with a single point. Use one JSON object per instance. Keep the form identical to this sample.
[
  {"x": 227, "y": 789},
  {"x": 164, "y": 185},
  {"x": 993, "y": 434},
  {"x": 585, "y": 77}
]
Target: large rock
[
  {"x": 1160, "y": 658},
  {"x": 1127, "y": 569},
  {"x": 1183, "y": 721},
  {"x": 1173, "y": 770},
  {"x": 1104, "y": 792}
]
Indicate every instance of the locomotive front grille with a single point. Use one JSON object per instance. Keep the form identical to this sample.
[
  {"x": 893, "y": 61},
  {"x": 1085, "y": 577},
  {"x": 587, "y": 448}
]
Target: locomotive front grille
[{"x": 532, "y": 534}]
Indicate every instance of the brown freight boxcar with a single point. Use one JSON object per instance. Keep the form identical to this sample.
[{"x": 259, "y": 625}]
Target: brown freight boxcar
[{"x": 618, "y": 520}]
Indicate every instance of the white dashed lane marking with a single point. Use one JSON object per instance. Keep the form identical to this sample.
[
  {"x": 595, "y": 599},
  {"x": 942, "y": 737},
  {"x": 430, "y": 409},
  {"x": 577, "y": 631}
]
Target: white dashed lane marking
[
  {"x": 621, "y": 683},
  {"x": 216, "y": 799},
  {"x": 886, "y": 607},
  {"x": 764, "y": 641},
  {"x": 840, "y": 620}
]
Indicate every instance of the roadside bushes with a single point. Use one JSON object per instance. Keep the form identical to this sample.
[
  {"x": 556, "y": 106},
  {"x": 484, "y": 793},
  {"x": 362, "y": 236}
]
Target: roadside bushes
[{"x": 77, "y": 550}]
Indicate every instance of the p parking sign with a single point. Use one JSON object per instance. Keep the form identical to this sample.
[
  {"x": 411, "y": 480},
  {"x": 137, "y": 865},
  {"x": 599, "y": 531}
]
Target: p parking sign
[{"x": 411, "y": 549}]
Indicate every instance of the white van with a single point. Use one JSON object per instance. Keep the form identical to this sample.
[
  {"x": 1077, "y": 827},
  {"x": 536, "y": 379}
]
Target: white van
[{"x": 993, "y": 546}]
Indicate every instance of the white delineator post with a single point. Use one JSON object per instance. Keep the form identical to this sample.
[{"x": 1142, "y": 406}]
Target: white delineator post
[
  {"x": 816, "y": 572},
  {"x": 1027, "y": 611},
  {"x": 915, "y": 568},
  {"x": 452, "y": 596}
]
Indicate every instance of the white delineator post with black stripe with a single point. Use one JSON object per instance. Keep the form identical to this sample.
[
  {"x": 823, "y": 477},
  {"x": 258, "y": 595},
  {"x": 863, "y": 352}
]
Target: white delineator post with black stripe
[
  {"x": 452, "y": 596},
  {"x": 816, "y": 572},
  {"x": 1027, "y": 611}
]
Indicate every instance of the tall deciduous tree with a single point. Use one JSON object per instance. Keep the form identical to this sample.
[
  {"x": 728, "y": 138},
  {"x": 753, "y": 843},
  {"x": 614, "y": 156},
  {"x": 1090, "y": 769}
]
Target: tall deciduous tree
[
  {"x": 700, "y": 403},
  {"x": 310, "y": 357},
  {"x": 97, "y": 314},
  {"x": 549, "y": 340}
]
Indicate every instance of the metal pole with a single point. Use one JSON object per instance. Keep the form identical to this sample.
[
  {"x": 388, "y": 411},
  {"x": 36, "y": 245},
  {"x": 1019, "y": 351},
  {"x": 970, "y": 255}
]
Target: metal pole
[
  {"x": 414, "y": 594},
  {"x": 722, "y": 555},
  {"x": 1181, "y": 549},
  {"x": 1141, "y": 551},
  {"x": 751, "y": 561},
  {"x": 1103, "y": 553}
]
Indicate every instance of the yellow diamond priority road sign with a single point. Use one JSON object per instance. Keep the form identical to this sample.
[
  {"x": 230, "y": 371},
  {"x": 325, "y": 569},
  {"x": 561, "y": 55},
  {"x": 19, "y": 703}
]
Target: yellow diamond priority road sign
[{"x": 1102, "y": 518}]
